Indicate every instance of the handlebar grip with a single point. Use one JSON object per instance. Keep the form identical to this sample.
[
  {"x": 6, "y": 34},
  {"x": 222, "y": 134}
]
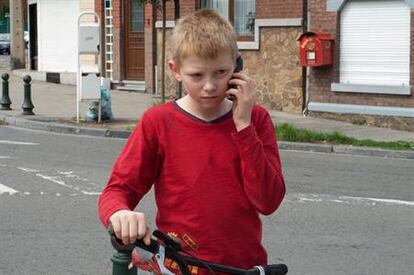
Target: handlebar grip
[
  {"x": 119, "y": 245},
  {"x": 275, "y": 269}
]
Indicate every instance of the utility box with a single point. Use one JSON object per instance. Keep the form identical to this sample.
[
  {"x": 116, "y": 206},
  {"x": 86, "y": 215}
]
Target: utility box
[
  {"x": 90, "y": 86},
  {"x": 89, "y": 38},
  {"x": 316, "y": 49}
]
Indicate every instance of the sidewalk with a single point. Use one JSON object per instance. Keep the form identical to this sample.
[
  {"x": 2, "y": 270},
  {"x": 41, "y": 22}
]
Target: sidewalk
[{"x": 55, "y": 110}]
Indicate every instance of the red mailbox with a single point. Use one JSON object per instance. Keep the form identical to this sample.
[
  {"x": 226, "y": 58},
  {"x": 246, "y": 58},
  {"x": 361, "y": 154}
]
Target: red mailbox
[{"x": 316, "y": 49}]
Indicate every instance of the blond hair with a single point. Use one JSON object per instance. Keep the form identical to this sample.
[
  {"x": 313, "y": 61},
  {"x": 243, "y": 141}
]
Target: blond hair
[{"x": 204, "y": 34}]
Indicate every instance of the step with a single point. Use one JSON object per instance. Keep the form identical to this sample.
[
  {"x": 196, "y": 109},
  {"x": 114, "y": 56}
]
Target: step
[
  {"x": 132, "y": 85},
  {"x": 134, "y": 88},
  {"x": 133, "y": 82}
]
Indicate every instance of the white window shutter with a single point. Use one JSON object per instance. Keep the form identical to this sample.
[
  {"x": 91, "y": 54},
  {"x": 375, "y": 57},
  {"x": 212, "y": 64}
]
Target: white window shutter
[{"x": 375, "y": 43}]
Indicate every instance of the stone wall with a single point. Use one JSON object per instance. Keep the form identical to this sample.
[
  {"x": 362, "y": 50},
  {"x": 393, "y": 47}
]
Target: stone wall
[{"x": 276, "y": 70}]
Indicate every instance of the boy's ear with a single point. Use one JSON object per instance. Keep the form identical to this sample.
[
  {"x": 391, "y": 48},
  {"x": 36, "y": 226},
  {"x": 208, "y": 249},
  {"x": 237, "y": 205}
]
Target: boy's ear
[{"x": 174, "y": 69}]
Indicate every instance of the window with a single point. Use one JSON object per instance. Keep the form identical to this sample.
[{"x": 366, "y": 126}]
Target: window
[
  {"x": 375, "y": 43},
  {"x": 137, "y": 16},
  {"x": 241, "y": 13}
]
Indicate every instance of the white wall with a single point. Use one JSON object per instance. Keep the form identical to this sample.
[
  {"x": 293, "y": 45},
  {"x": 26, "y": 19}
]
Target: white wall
[{"x": 57, "y": 31}]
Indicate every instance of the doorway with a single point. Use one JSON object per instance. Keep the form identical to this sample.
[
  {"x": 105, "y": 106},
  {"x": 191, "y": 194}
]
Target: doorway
[
  {"x": 33, "y": 47},
  {"x": 134, "y": 40}
]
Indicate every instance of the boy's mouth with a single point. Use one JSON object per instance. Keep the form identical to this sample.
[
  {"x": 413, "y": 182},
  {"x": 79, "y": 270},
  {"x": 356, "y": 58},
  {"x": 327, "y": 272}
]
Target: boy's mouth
[{"x": 209, "y": 97}]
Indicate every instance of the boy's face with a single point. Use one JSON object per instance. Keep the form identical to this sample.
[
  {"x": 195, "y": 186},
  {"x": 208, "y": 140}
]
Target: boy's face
[{"x": 205, "y": 80}]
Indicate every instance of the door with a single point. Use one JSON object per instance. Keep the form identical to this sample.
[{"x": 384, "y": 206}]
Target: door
[
  {"x": 134, "y": 40},
  {"x": 33, "y": 36}
]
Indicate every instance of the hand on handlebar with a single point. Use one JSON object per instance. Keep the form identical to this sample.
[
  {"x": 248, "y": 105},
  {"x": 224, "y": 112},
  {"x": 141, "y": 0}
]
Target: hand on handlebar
[
  {"x": 150, "y": 257},
  {"x": 130, "y": 226}
]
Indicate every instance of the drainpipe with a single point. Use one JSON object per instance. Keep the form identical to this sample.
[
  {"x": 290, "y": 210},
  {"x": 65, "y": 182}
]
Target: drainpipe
[
  {"x": 307, "y": 27},
  {"x": 179, "y": 88},
  {"x": 154, "y": 47},
  {"x": 164, "y": 20}
]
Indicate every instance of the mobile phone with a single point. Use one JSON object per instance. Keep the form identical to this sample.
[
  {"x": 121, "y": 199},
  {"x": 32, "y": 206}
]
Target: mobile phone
[{"x": 238, "y": 68}]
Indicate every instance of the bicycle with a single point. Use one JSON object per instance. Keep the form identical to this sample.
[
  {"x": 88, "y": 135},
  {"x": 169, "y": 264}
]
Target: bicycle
[{"x": 152, "y": 258}]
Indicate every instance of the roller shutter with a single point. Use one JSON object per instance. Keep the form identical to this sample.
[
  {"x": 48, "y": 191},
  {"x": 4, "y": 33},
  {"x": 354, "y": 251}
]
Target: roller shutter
[{"x": 375, "y": 43}]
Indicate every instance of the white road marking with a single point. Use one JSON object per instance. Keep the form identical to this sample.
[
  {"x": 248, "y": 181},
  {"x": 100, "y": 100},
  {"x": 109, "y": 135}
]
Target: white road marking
[
  {"x": 6, "y": 189},
  {"x": 70, "y": 174},
  {"x": 387, "y": 201},
  {"x": 318, "y": 198},
  {"x": 91, "y": 193},
  {"x": 4, "y": 157},
  {"x": 55, "y": 180},
  {"x": 17, "y": 142},
  {"x": 58, "y": 180},
  {"x": 30, "y": 170}
]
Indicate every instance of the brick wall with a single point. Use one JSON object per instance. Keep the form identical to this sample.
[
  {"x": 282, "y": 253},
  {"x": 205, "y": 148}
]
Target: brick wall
[
  {"x": 321, "y": 78},
  {"x": 279, "y": 9},
  {"x": 186, "y": 7},
  {"x": 412, "y": 55},
  {"x": 117, "y": 13},
  {"x": 117, "y": 65}
]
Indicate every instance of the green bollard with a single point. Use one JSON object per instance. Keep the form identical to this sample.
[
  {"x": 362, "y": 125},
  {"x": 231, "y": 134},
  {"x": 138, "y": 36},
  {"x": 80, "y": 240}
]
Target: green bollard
[
  {"x": 5, "y": 101},
  {"x": 27, "y": 105},
  {"x": 121, "y": 260}
]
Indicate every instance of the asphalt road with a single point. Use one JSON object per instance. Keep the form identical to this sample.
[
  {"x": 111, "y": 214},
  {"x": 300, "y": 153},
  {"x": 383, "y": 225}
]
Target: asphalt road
[{"x": 343, "y": 214}]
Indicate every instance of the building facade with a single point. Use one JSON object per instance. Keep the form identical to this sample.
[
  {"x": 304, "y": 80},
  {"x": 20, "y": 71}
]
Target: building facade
[
  {"x": 53, "y": 30},
  {"x": 371, "y": 80},
  {"x": 267, "y": 32}
]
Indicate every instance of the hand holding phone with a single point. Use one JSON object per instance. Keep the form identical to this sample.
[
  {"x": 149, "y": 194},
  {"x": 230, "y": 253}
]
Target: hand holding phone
[
  {"x": 238, "y": 68},
  {"x": 245, "y": 91}
]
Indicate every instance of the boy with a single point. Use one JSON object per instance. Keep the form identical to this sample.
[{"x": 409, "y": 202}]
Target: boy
[{"x": 214, "y": 163}]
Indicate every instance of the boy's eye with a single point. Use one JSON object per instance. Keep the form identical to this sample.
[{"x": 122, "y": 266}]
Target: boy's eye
[
  {"x": 195, "y": 75},
  {"x": 220, "y": 72}
]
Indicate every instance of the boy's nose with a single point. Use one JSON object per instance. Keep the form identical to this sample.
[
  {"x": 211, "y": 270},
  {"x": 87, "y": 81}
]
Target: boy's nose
[{"x": 209, "y": 85}]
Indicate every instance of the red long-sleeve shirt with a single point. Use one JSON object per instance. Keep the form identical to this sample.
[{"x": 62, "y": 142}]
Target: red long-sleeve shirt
[{"x": 211, "y": 182}]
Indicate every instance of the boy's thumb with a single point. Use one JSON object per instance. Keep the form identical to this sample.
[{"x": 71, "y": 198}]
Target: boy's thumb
[{"x": 147, "y": 238}]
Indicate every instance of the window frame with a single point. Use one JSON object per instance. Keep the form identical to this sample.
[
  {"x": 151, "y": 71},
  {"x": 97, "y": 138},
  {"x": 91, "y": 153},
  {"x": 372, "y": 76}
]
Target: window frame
[{"x": 230, "y": 15}]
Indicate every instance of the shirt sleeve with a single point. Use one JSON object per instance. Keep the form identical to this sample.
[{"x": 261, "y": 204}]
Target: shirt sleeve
[
  {"x": 133, "y": 173},
  {"x": 263, "y": 181}
]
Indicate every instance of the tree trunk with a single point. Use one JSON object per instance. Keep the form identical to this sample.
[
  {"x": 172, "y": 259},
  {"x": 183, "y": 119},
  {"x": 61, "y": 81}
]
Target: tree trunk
[{"x": 17, "y": 50}]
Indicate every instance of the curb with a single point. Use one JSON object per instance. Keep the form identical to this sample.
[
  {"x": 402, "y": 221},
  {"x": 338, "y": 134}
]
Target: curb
[
  {"x": 343, "y": 149},
  {"x": 283, "y": 145},
  {"x": 62, "y": 128}
]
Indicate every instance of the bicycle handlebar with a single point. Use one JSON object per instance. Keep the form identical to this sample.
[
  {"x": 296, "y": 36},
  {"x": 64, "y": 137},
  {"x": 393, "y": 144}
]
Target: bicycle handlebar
[{"x": 167, "y": 247}]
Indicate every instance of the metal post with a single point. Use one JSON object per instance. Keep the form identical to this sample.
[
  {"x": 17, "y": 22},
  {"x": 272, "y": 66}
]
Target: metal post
[
  {"x": 5, "y": 101},
  {"x": 27, "y": 105},
  {"x": 121, "y": 260}
]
